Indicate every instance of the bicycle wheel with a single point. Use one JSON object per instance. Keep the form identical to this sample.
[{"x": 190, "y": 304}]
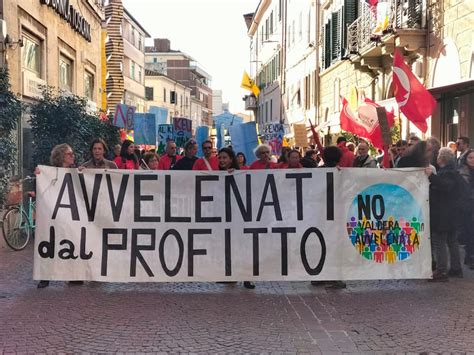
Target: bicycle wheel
[{"x": 16, "y": 229}]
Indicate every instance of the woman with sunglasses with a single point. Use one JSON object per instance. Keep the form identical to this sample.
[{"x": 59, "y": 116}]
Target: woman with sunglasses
[{"x": 263, "y": 154}]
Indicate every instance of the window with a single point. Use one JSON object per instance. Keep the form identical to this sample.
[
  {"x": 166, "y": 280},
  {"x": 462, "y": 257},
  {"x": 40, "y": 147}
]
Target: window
[
  {"x": 149, "y": 93},
  {"x": 140, "y": 73},
  {"x": 132, "y": 35},
  {"x": 89, "y": 85},
  {"x": 65, "y": 73},
  {"x": 271, "y": 22},
  {"x": 266, "y": 111},
  {"x": 300, "y": 26},
  {"x": 280, "y": 3},
  {"x": 31, "y": 55},
  {"x": 271, "y": 110},
  {"x": 155, "y": 60},
  {"x": 293, "y": 33},
  {"x": 140, "y": 42},
  {"x": 164, "y": 95},
  {"x": 132, "y": 69},
  {"x": 266, "y": 29}
]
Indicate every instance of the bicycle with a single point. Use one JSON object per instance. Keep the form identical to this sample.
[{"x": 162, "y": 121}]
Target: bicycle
[{"x": 18, "y": 223}]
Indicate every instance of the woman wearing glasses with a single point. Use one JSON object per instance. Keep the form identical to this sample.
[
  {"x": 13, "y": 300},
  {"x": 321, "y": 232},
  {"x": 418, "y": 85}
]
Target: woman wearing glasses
[
  {"x": 263, "y": 154},
  {"x": 62, "y": 156}
]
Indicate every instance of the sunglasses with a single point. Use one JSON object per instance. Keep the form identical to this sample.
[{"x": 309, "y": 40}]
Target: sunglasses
[{"x": 206, "y": 147}]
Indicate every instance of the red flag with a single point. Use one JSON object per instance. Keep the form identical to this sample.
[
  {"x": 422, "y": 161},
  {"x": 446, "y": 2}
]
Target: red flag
[
  {"x": 416, "y": 103},
  {"x": 372, "y": 2},
  {"x": 364, "y": 123}
]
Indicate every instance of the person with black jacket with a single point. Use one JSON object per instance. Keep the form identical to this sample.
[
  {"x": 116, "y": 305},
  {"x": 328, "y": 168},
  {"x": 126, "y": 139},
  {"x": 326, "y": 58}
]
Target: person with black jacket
[{"x": 445, "y": 192}]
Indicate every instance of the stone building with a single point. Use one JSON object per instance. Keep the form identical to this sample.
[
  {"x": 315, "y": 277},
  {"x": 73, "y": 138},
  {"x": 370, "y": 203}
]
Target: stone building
[{"x": 49, "y": 43}]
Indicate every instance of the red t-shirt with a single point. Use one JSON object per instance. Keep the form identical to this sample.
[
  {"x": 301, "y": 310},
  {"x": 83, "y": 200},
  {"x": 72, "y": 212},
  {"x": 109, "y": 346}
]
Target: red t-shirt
[
  {"x": 200, "y": 164},
  {"x": 258, "y": 164},
  {"x": 165, "y": 162},
  {"x": 299, "y": 166},
  {"x": 127, "y": 164},
  {"x": 347, "y": 159}
]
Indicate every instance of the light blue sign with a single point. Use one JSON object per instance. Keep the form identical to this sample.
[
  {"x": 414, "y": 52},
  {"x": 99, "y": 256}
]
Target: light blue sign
[
  {"x": 202, "y": 134},
  {"x": 244, "y": 139},
  {"x": 161, "y": 114},
  {"x": 144, "y": 130}
]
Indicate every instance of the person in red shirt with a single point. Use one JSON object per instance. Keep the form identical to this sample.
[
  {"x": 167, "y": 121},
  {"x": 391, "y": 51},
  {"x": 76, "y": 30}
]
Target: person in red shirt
[
  {"x": 127, "y": 159},
  {"x": 347, "y": 160},
  {"x": 209, "y": 161},
  {"x": 151, "y": 160},
  {"x": 169, "y": 159},
  {"x": 263, "y": 154},
  {"x": 294, "y": 157},
  {"x": 242, "y": 161}
]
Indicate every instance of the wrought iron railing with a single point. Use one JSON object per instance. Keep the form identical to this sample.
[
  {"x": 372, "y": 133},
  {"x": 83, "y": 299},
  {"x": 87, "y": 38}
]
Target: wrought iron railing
[{"x": 404, "y": 14}]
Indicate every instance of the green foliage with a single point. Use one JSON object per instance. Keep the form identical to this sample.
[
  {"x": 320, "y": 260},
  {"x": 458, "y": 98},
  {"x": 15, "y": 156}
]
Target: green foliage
[
  {"x": 10, "y": 115},
  {"x": 60, "y": 117}
]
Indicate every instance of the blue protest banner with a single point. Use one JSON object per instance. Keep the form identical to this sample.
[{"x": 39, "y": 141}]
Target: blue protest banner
[
  {"x": 123, "y": 117},
  {"x": 165, "y": 134},
  {"x": 244, "y": 139},
  {"x": 144, "y": 128},
  {"x": 202, "y": 134},
  {"x": 161, "y": 114}
]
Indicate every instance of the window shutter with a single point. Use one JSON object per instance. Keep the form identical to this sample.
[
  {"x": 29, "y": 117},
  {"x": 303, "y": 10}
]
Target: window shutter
[
  {"x": 350, "y": 11},
  {"x": 335, "y": 36},
  {"x": 327, "y": 52}
]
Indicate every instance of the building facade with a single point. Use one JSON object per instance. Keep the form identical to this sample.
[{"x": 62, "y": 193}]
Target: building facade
[
  {"x": 51, "y": 44},
  {"x": 185, "y": 70},
  {"x": 217, "y": 107},
  {"x": 125, "y": 51},
  {"x": 162, "y": 91},
  {"x": 266, "y": 31}
]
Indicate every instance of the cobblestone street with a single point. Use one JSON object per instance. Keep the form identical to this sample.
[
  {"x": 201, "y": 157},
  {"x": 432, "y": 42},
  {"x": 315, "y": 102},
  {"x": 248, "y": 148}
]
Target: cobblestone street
[{"x": 367, "y": 317}]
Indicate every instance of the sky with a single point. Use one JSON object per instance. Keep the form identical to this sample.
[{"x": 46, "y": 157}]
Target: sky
[{"x": 211, "y": 31}]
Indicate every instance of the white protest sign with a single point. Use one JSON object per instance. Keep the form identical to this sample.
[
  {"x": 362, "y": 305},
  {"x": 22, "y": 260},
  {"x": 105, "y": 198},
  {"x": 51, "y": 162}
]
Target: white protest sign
[{"x": 302, "y": 224}]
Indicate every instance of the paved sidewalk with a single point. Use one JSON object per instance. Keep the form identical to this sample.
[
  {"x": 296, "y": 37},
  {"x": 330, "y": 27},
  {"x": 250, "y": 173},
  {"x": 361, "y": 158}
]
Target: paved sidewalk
[{"x": 367, "y": 317}]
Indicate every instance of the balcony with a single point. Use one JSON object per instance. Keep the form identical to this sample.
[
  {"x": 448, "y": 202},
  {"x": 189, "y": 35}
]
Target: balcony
[
  {"x": 250, "y": 102},
  {"x": 406, "y": 29}
]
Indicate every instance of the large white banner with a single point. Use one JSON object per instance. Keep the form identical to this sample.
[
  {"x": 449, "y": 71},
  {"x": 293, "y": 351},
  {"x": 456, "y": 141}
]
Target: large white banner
[{"x": 268, "y": 225}]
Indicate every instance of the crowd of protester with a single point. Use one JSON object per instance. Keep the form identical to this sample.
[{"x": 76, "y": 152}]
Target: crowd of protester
[{"x": 450, "y": 171}]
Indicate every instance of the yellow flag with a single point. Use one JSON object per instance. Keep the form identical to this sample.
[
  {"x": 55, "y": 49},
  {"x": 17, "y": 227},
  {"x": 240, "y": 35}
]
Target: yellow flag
[
  {"x": 255, "y": 89},
  {"x": 249, "y": 84},
  {"x": 246, "y": 82}
]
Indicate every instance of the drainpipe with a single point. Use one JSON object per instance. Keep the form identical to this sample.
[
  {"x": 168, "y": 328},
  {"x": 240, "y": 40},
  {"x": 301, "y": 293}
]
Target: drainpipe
[{"x": 317, "y": 41}]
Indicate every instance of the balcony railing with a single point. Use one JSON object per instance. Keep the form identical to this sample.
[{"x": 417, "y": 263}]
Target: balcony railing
[
  {"x": 250, "y": 102},
  {"x": 404, "y": 14}
]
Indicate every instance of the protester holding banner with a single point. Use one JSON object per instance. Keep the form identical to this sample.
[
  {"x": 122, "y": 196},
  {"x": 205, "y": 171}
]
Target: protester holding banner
[
  {"x": 168, "y": 160},
  {"x": 283, "y": 159},
  {"x": 98, "y": 149},
  {"x": 187, "y": 162},
  {"x": 127, "y": 159},
  {"x": 331, "y": 156},
  {"x": 263, "y": 153},
  {"x": 294, "y": 157},
  {"x": 310, "y": 159},
  {"x": 209, "y": 161},
  {"x": 445, "y": 193},
  {"x": 241, "y": 161},
  {"x": 227, "y": 160},
  {"x": 151, "y": 160},
  {"x": 418, "y": 156},
  {"x": 62, "y": 156},
  {"x": 401, "y": 147},
  {"x": 363, "y": 159}
]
